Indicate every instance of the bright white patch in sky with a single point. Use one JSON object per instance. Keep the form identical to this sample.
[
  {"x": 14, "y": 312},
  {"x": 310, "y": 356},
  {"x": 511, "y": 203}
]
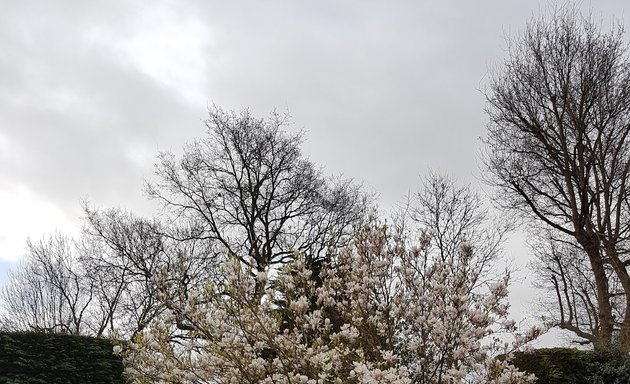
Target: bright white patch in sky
[
  {"x": 165, "y": 44},
  {"x": 26, "y": 214}
]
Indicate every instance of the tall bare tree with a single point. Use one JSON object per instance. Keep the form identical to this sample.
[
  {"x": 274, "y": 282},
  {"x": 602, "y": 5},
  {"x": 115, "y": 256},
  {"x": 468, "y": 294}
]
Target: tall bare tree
[
  {"x": 557, "y": 145},
  {"x": 247, "y": 189}
]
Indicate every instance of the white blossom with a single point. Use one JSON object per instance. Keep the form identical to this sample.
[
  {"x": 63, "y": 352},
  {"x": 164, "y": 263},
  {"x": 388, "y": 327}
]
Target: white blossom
[{"x": 388, "y": 312}]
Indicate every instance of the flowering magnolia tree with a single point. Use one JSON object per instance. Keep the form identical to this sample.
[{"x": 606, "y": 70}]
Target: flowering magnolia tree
[{"x": 386, "y": 309}]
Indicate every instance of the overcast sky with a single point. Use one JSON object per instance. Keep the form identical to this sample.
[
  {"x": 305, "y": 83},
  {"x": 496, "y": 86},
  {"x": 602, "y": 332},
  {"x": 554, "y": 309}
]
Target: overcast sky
[{"x": 90, "y": 91}]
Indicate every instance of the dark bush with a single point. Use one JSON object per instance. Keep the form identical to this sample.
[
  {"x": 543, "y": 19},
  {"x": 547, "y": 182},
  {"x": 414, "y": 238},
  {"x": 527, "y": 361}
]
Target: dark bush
[
  {"x": 572, "y": 366},
  {"x": 46, "y": 358}
]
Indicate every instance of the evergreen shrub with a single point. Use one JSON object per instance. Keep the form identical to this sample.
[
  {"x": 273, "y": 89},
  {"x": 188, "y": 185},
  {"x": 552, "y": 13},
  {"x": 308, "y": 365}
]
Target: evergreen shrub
[
  {"x": 46, "y": 358},
  {"x": 572, "y": 366}
]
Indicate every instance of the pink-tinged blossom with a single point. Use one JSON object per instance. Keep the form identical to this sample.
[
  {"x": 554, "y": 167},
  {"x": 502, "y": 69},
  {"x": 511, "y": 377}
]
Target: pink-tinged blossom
[{"x": 389, "y": 311}]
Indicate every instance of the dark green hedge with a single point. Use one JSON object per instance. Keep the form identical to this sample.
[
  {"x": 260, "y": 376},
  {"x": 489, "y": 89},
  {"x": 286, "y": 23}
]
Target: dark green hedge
[
  {"x": 571, "y": 366},
  {"x": 46, "y": 358}
]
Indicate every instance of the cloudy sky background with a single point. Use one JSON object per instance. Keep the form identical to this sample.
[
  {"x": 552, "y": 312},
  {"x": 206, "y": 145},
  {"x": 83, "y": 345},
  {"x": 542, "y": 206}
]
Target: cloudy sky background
[{"x": 90, "y": 91}]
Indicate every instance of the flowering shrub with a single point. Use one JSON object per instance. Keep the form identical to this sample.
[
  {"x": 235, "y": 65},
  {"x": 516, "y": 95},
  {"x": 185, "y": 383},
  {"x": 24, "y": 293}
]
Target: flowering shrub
[{"x": 387, "y": 309}]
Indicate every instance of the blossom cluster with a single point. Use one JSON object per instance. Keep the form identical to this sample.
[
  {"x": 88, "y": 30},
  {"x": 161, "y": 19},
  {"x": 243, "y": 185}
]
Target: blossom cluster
[{"x": 386, "y": 309}]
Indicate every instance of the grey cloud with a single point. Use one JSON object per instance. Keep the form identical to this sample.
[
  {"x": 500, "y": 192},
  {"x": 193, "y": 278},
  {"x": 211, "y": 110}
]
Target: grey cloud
[
  {"x": 73, "y": 116},
  {"x": 384, "y": 90}
]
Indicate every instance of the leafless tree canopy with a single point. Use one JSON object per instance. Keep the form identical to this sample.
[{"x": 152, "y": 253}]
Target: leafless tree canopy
[
  {"x": 564, "y": 272},
  {"x": 559, "y": 112},
  {"x": 454, "y": 217},
  {"x": 135, "y": 251},
  {"x": 131, "y": 250},
  {"x": 247, "y": 189},
  {"x": 49, "y": 291}
]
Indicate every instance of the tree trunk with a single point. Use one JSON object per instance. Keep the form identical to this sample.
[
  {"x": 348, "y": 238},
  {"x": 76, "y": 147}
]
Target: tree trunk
[
  {"x": 603, "y": 332},
  {"x": 624, "y": 279}
]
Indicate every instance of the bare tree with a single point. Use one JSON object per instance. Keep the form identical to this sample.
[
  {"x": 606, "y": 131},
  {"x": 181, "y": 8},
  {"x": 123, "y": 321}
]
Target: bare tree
[
  {"x": 133, "y": 251},
  {"x": 557, "y": 145},
  {"x": 563, "y": 270},
  {"x": 454, "y": 216},
  {"x": 49, "y": 291},
  {"x": 101, "y": 284},
  {"x": 247, "y": 189}
]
